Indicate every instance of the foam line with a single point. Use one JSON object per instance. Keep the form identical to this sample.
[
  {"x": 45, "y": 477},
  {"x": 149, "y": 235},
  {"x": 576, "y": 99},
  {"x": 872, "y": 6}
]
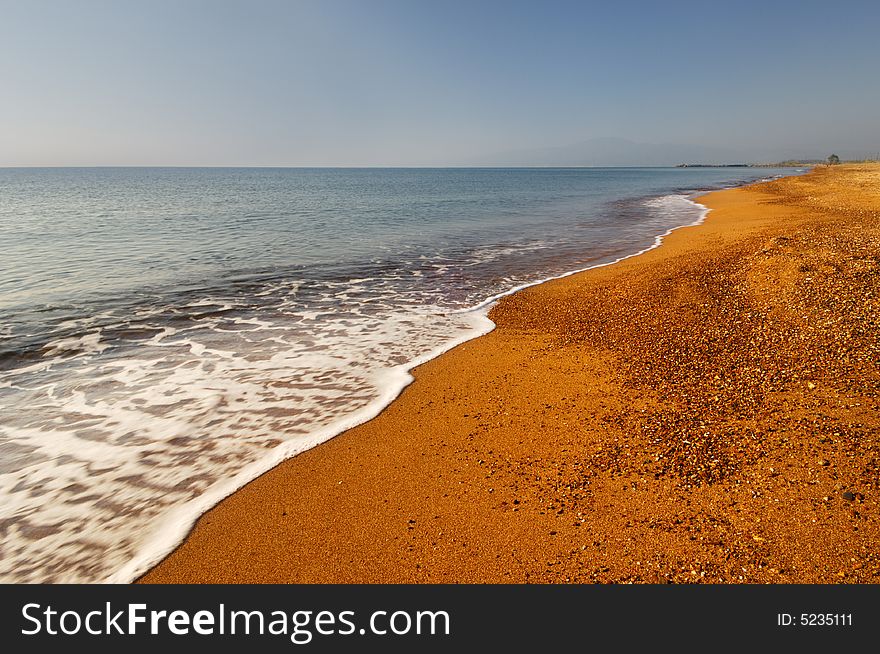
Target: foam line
[
  {"x": 489, "y": 302},
  {"x": 178, "y": 523}
]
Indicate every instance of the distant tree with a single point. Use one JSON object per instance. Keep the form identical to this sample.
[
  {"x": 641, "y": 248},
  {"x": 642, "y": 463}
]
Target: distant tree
[{"x": 833, "y": 160}]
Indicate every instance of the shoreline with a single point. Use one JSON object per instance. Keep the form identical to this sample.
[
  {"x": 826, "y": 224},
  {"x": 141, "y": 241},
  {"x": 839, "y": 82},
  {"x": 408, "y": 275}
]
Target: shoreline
[
  {"x": 179, "y": 523},
  {"x": 300, "y": 525}
]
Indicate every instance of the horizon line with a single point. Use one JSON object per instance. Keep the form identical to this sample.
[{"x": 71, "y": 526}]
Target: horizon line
[{"x": 385, "y": 167}]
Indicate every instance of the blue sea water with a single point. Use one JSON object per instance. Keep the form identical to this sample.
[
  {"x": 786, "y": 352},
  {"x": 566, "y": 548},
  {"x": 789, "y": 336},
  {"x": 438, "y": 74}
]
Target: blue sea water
[{"x": 168, "y": 334}]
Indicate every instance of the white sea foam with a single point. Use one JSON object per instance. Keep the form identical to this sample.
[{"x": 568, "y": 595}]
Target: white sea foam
[{"x": 118, "y": 452}]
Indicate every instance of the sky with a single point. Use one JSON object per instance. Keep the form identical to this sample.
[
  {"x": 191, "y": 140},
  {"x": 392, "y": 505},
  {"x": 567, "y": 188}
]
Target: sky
[{"x": 400, "y": 83}]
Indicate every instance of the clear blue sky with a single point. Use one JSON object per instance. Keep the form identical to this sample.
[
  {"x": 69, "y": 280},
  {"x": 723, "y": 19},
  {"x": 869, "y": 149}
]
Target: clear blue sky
[{"x": 373, "y": 82}]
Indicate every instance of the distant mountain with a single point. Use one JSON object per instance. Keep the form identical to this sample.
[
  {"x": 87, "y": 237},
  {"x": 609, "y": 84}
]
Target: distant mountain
[{"x": 615, "y": 152}]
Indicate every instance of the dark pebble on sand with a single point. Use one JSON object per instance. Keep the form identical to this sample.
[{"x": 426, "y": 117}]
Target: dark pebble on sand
[{"x": 849, "y": 496}]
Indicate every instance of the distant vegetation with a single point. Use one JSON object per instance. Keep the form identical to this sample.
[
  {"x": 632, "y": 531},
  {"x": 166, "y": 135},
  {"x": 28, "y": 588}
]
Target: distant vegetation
[
  {"x": 831, "y": 160},
  {"x": 734, "y": 165},
  {"x": 793, "y": 162}
]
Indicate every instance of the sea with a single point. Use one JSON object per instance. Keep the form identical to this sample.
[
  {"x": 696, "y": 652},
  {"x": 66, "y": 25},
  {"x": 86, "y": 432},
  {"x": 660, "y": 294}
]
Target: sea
[{"x": 168, "y": 334}]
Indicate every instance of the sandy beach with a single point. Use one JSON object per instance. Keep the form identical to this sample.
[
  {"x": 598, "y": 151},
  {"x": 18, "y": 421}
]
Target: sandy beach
[{"x": 704, "y": 412}]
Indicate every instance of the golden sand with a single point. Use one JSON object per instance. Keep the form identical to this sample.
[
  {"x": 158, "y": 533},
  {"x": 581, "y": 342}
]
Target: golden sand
[{"x": 704, "y": 412}]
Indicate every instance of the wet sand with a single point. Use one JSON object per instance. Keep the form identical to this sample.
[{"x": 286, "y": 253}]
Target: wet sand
[{"x": 705, "y": 412}]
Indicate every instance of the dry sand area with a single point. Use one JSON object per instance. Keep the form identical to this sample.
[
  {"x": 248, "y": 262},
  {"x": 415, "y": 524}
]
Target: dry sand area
[{"x": 705, "y": 412}]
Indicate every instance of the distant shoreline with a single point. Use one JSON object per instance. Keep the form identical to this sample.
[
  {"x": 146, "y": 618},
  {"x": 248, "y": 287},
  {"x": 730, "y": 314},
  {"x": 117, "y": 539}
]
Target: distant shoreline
[{"x": 784, "y": 164}]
